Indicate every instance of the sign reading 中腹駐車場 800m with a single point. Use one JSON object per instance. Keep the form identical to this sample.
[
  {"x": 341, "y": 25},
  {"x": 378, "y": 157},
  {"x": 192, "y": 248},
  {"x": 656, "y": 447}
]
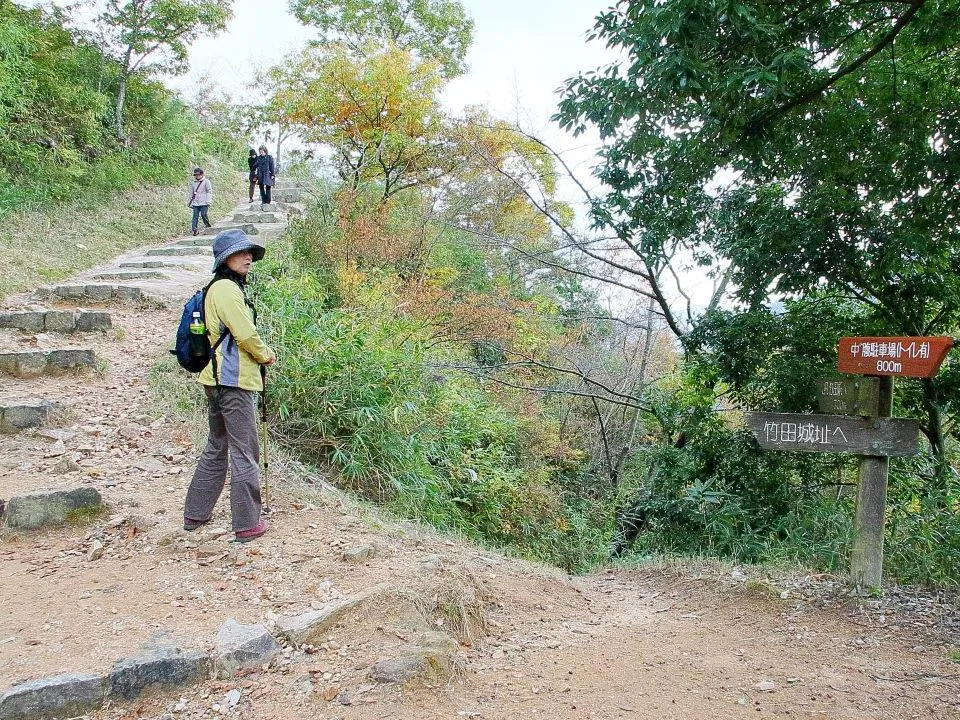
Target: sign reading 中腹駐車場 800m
[
  {"x": 798, "y": 432},
  {"x": 901, "y": 356}
]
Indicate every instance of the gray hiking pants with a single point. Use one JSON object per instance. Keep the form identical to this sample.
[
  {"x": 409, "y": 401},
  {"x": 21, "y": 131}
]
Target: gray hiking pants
[{"x": 233, "y": 434}]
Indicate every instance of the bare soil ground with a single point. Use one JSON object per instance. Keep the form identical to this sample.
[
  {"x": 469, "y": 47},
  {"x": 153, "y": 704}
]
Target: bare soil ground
[{"x": 700, "y": 641}]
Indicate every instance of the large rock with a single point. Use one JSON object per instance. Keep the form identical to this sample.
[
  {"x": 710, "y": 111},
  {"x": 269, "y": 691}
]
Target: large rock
[
  {"x": 23, "y": 364},
  {"x": 15, "y": 416},
  {"x": 242, "y": 646},
  {"x": 199, "y": 241},
  {"x": 61, "y": 696},
  {"x": 157, "y": 666},
  {"x": 431, "y": 659},
  {"x": 70, "y": 359},
  {"x": 257, "y": 217},
  {"x": 274, "y": 207},
  {"x": 310, "y": 626},
  {"x": 287, "y": 196},
  {"x": 92, "y": 293},
  {"x": 281, "y": 184},
  {"x": 49, "y": 507},
  {"x": 359, "y": 553},
  {"x": 145, "y": 264},
  {"x": 61, "y": 321}
]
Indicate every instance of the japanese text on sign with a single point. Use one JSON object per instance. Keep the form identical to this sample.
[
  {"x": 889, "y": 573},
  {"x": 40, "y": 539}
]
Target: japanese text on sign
[
  {"x": 894, "y": 349},
  {"x": 833, "y": 388},
  {"x": 822, "y": 433},
  {"x": 902, "y": 356}
]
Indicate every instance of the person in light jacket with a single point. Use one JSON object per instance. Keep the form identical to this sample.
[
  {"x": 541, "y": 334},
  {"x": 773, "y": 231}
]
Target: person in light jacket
[
  {"x": 266, "y": 173},
  {"x": 199, "y": 198},
  {"x": 231, "y": 382}
]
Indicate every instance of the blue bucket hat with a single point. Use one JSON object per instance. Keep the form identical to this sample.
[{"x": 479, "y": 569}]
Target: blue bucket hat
[{"x": 230, "y": 242}]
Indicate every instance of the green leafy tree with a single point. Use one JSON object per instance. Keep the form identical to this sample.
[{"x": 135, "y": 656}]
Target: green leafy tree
[
  {"x": 795, "y": 147},
  {"x": 438, "y": 30},
  {"x": 153, "y": 36}
]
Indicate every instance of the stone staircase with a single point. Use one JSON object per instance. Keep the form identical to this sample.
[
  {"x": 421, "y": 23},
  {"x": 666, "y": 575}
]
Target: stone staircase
[
  {"x": 61, "y": 321},
  {"x": 53, "y": 334}
]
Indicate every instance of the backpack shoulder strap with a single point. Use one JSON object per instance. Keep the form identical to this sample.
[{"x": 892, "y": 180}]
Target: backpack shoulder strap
[{"x": 226, "y": 331}]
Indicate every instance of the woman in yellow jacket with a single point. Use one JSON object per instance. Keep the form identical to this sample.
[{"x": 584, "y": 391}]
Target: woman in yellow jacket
[{"x": 231, "y": 381}]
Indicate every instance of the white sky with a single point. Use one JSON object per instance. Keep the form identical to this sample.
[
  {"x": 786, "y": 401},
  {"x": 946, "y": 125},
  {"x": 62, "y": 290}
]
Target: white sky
[{"x": 522, "y": 52}]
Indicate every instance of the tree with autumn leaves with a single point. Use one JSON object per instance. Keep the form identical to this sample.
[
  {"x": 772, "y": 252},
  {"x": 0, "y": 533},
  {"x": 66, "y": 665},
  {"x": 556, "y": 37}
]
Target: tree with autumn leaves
[{"x": 425, "y": 229}]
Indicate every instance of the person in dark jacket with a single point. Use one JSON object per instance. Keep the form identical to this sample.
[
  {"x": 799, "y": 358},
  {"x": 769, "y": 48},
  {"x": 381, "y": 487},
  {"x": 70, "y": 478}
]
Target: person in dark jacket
[
  {"x": 252, "y": 163},
  {"x": 266, "y": 172}
]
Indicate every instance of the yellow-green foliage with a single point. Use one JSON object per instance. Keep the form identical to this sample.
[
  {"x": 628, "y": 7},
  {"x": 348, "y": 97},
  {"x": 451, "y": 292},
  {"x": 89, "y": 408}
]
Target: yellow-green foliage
[{"x": 358, "y": 384}]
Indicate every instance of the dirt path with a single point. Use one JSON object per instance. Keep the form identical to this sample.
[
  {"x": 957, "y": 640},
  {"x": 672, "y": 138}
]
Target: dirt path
[{"x": 693, "y": 643}]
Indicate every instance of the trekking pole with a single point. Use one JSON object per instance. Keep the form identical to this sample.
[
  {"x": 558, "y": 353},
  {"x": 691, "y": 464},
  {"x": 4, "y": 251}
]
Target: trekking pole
[{"x": 263, "y": 432}]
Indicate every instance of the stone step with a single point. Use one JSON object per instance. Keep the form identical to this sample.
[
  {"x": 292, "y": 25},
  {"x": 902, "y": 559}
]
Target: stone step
[
  {"x": 147, "y": 264},
  {"x": 142, "y": 275},
  {"x": 199, "y": 241},
  {"x": 258, "y": 217},
  {"x": 287, "y": 196},
  {"x": 273, "y": 206},
  {"x": 289, "y": 184},
  {"x": 62, "y": 321},
  {"x": 16, "y": 416},
  {"x": 92, "y": 293},
  {"x": 34, "y": 363},
  {"x": 248, "y": 228},
  {"x": 179, "y": 250}
]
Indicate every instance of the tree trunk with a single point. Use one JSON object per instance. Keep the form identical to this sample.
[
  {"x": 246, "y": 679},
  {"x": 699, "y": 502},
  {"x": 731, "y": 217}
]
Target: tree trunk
[
  {"x": 122, "y": 95},
  {"x": 118, "y": 110},
  {"x": 934, "y": 426},
  {"x": 281, "y": 136},
  {"x": 640, "y": 376}
]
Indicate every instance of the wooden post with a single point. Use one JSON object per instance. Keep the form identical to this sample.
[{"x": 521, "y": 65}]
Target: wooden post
[{"x": 866, "y": 556}]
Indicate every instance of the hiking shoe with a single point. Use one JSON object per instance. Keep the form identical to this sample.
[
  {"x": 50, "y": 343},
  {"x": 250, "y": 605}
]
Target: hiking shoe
[
  {"x": 196, "y": 232},
  {"x": 253, "y": 533},
  {"x": 190, "y": 525}
]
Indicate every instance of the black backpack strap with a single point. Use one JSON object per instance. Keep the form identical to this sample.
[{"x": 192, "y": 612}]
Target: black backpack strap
[{"x": 226, "y": 331}]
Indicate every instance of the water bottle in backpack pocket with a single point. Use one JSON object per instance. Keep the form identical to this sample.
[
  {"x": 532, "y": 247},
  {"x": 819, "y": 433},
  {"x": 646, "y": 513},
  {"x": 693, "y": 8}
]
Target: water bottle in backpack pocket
[
  {"x": 193, "y": 348},
  {"x": 193, "y": 343}
]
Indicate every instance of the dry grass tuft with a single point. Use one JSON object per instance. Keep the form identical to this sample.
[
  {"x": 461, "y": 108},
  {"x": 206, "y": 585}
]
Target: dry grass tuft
[{"x": 456, "y": 603}]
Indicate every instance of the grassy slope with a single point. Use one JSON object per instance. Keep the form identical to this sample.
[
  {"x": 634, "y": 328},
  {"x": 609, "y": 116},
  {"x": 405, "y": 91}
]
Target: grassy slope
[{"x": 44, "y": 246}]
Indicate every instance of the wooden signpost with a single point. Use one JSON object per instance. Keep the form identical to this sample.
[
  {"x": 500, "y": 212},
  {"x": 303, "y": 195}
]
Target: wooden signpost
[
  {"x": 849, "y": 396},
  {"x": 873, "y": 436}
]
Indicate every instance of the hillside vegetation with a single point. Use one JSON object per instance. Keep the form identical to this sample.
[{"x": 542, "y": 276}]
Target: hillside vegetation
[
  {"x": 443, "y": 337},
  {"x": 75, "y": 193}
]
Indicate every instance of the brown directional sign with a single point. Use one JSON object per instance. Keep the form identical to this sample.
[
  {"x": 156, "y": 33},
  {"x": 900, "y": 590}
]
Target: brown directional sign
[
  {"x": 903, "y": 356},
  {"x": 849, "y": 396},
  {"x": 795, "y": 432}
]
